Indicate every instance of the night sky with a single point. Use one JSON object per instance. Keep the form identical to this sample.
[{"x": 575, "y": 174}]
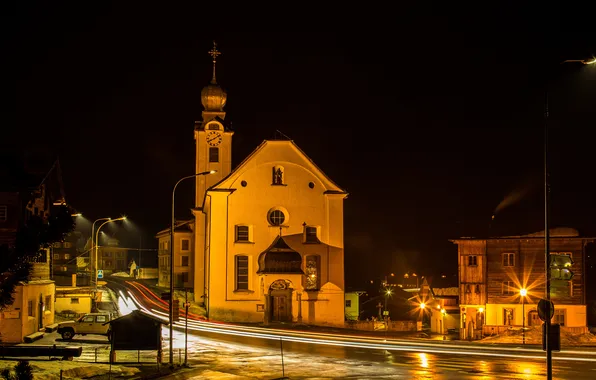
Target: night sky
[{"x": 429, "y": 118}]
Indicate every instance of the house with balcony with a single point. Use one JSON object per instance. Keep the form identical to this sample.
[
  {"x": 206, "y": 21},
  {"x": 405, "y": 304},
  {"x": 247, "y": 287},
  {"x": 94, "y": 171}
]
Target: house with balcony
[{"x": 495, "y": 272}]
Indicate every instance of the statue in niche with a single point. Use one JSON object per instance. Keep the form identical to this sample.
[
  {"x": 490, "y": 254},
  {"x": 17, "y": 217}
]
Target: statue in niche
[{"x": 278, "y": 176}]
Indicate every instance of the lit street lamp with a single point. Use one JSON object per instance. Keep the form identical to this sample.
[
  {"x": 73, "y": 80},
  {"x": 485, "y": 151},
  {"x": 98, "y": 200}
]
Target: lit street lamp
[
  {"x": 110, "y": 220},
  {"x": 171, "y": 302},
  {"x": 91, "y": 249},
  {"x": 523, "y": 293},
  {"x": 547, "y": 329}
]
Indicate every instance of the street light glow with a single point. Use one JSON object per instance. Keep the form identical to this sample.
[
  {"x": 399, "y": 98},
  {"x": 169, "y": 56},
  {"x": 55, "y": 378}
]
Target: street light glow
[
  {"x": 523, "y": 292},
  {"x": 212, "y": 171},
  {"x": 422, "y": 305}
]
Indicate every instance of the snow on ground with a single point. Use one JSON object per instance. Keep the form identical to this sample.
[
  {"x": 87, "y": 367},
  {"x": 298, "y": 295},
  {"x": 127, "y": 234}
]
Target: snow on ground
[
  {"x": 120, "y": 274},
  {"x": 534, "y": 336},
  {"x": 50, "y": 369}
]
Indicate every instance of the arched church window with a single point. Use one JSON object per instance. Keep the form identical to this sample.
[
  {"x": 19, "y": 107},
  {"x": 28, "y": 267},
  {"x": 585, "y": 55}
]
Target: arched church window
[
  {"x": 312, "y": 272},
  {"x": 278, "y": 175}
]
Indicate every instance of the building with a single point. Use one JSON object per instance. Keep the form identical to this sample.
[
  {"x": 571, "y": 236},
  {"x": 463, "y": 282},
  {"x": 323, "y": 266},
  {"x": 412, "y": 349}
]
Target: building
[
  {"x": 352, "y": 299},
  {"x": 268, "y": 242},
  {"x": 111, "y": 257},
  {"x": 492, "y": 271},
  {"x": 27, "y": 191},
  {"x": 66, "y": 260},
  {"x": 183, "y": 255}
]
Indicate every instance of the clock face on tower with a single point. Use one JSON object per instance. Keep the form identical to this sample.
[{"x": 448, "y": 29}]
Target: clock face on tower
[{"x": 214, "y": 138}]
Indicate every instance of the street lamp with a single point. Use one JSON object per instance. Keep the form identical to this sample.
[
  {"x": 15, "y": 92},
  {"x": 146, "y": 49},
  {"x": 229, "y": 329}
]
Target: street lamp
[
  {"x": 91, "y": 250},
  {"x": 443, "y": 312},
  {"x": 110, "y": 220},
  {"x": 387, "y": 295},
  {"x": 547, "y": 329},
  {"x": 523, "y": 293},
  {"x": 171, "y": 316}
]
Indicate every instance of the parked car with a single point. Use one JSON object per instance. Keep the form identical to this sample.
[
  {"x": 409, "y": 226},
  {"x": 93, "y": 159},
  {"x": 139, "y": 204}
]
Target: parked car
[{"x": 91, "y": 323}]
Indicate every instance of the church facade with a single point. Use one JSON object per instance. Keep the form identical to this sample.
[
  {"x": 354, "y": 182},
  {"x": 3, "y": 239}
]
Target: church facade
[{"x": 268, "y": 243}]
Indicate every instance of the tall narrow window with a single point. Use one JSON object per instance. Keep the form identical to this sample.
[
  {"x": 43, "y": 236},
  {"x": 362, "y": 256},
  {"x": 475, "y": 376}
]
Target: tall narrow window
[
  {"x": 213, "y": 154},
  {"x": 508, "y": 259},
  {"x": 508, "y": 288},
  {"x": 185, "y": 245},
  {"x": 241, "y": 272},
  {"x": 48, "y": 303},
  {"x": 312, "y": 271},
  {"x": 242, "y": 234},
  {"x": 310, "y": 234},
  {"x": 30, "y": 309},
  {"x": 184, "y": 262},
  {"x": 472, "y": 260}
]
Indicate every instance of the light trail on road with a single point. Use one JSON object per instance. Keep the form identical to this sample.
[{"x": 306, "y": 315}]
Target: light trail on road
[{"x": 354, "y": 342}]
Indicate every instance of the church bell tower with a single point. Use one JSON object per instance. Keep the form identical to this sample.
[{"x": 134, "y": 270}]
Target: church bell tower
[{"x": 213, "y": 150}]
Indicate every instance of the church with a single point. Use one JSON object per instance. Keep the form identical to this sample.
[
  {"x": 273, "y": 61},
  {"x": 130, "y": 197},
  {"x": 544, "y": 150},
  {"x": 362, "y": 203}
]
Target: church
[{"x": 268, "y": 237}]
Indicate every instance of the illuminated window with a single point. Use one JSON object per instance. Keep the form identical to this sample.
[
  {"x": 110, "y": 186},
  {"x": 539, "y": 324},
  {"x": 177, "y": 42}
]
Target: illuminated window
[
  {"x": 56, "y": 256},
  {"x": 508, "y": 317},
  {"x": 472, "y": 260},
  {"x": 241, "y": 272},
  {"x": 508, "y": 259},
  {"x": 213, "y": 154},
  {"x": 276, "y": 218},
  {"x": 66, "y": 256},
  {"x": 560, "y": 316},
  {"x": 312, "y": 272}
]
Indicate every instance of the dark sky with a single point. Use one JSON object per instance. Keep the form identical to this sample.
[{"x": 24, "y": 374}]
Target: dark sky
[{"x": 428, "y": 117}]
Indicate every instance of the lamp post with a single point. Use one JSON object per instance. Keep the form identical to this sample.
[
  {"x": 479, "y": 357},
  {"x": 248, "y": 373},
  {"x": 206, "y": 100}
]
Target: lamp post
[
  {"x": 97, "y": 239},
  {"x": 522, "y": 293},
  {"x": 171, "y": 303},
  {"x": 386, "y": 316},
  {"x": 91, "y": 250},
  {"x": 548, "y": 346}
]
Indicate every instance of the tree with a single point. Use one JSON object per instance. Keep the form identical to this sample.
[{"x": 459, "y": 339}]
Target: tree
[{"x": 31, "y": 237}]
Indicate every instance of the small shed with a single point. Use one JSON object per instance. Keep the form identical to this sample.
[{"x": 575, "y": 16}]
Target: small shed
[{"x": 136, "y": 331}]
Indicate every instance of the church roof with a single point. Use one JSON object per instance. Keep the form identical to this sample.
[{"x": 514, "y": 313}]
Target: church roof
[{"x": 227, "y": 181}]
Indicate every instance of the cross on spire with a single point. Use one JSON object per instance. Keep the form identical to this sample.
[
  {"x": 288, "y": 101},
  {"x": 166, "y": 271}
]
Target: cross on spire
[
  {"x": 214, "y": 53},
  {"x": 280, "y": 230}
]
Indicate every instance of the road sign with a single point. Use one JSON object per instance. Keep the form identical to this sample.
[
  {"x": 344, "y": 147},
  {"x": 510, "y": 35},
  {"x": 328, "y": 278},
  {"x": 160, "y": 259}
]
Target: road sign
[
  {"x": 546, "y": 311},
  {"x": 100, "y": 273},
  {"x": 176, "y": 310},
  {"x": 560, "y": 267},
  {"x": 166, "y": 296}
]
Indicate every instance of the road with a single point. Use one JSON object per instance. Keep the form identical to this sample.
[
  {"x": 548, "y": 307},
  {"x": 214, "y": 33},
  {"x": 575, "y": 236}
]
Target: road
[{"x": 251, "y": 352}]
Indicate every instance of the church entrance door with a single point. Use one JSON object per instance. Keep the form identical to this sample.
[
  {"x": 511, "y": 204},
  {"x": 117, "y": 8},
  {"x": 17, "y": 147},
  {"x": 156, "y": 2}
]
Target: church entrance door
[{"x": 280, "y": 302}]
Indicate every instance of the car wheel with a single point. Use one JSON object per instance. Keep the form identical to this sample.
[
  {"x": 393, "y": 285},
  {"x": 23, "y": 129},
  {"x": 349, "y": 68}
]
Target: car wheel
[{"x": 67, "y": 334}]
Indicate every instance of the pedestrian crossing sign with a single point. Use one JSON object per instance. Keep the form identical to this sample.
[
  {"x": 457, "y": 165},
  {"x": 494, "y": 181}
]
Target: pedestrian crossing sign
[{"x": 100, "y": 273}]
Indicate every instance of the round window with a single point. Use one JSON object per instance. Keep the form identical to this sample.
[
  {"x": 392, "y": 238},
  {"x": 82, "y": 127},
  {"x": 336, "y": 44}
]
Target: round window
[{"x": 277, "y": 218}]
